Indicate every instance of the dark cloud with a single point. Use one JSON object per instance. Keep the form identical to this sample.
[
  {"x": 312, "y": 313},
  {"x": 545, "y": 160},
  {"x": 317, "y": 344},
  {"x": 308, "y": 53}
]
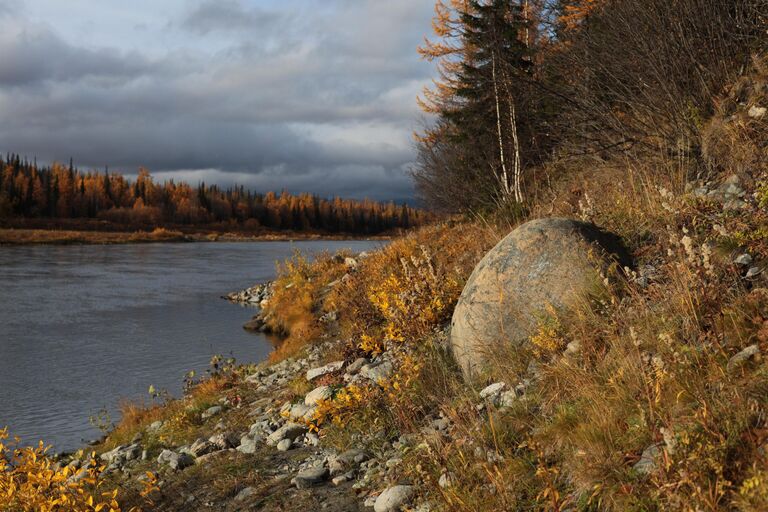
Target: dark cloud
[
  {"x": 32, "y": 55},
  {"x": 229, "y": 15},
  {"x": 323, "y": 102}
]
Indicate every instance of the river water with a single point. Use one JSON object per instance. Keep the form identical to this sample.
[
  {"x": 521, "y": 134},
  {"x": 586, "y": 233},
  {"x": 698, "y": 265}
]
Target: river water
[{"x": 84, "y": 327}]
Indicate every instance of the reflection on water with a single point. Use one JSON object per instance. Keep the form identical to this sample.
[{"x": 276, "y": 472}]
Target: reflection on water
[{"x": 82, "y": 327}]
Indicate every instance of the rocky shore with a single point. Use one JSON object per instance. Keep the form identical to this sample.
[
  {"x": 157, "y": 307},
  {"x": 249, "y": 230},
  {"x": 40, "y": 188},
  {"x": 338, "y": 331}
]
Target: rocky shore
[{"x": 295, "y": 467}]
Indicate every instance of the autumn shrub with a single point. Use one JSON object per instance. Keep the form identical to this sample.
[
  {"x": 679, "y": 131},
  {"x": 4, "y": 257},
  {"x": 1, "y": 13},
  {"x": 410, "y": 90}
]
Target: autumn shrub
[
  {"x": 30, "y": 481},
  {"x": 299, "y": 290},
  {"x": 403, "y": 291}
]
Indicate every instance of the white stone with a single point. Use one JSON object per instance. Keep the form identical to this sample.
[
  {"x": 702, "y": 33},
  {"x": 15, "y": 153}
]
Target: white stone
[
  {"x": 493, "y": 390},
  {"x": 393, "y": 499},
  {"x": 756, "y": 112},
  {"x": 317, "y": 394},
  {"x": 324, "y": 370}
]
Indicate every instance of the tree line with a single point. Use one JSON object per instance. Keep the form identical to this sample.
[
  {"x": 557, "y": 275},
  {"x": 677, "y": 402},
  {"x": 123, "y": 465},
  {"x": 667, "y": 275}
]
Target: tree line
[
  {"x": 65, "y": 192},
  {"x": 525, "y": 82}
]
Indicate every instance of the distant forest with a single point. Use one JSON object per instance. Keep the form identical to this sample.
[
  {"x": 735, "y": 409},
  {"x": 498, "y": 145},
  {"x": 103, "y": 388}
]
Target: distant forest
[{"x": 64, "y": 192}]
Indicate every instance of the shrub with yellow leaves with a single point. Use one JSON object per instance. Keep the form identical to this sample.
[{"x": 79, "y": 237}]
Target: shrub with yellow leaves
[
  {"x": 344, "y": 404},
  {"x": 30, "y": 481},
  {"x": 415, "y": 299}
]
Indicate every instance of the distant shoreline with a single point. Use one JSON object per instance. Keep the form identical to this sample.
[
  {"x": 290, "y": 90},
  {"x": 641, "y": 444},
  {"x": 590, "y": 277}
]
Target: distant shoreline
[{"x": 23, "y": 236}]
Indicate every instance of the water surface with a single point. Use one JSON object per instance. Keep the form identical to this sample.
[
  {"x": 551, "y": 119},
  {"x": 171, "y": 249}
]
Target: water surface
[{"x": 82, "y": 327}]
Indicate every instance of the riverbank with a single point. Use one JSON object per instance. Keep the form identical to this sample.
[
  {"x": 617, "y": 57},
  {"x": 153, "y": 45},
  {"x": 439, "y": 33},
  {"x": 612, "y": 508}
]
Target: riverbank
[
  {"x": 363, "y": 404},
  {"x": 73, "y": 237}
]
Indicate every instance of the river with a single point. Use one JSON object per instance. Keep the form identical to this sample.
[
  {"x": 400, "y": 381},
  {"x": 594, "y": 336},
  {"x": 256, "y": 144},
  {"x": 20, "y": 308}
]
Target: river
[{"x": 84, "y": 327}]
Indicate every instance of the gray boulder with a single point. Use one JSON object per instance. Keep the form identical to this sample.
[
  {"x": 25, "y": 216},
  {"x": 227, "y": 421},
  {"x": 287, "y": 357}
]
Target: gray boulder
[{"x": 544, "y": 265}]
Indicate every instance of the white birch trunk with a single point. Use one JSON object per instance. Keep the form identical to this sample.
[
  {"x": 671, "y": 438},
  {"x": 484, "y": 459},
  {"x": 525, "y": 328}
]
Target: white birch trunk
[{"x": 504, "y": 175}]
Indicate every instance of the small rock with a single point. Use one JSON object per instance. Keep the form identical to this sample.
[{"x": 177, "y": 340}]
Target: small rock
[
  {"x": 310, "y": 478},
  {"x": 752, "y": 272},
  {"x": 224, "y": 441},
  {"x": 648, "y": 460},
  {"x": 284, "y": 445},
  {"x": 356, "y": 365},
  {"x": 508, "y": 398},
  {"x": 324, "y": 370},
  {"x": 350, "y": 263},
  {"x": 446, "y": 480},
  {"x": 177, "y": 461},
  {"x": 394, "y": 498},
  {"x": 346, "y": 477},
  {"x": 301, "y": 411},
  {"x": 756, "y": 112},
  {"x": 212, "y": 411},
  {"x": 750, "y": 353},
  {"x": 202, "y": 447},
  {"x": 288, "y": 431},
  {"x": 744, "y": 260},
  {"x": 492, "y": 390},
  {"x": 379, "y": 372},
  {"x": 247, "y": 445},
  {"x": 155, "y": 426},
  {"x": 317, "y": 394},
  {"x": 245, "y": 494},
  {"x": 573, "y": 348}
]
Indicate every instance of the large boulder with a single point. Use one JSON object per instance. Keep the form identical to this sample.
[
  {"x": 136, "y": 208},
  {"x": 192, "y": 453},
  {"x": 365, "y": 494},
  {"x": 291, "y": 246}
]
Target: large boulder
[{"x": 545, "y": 265}]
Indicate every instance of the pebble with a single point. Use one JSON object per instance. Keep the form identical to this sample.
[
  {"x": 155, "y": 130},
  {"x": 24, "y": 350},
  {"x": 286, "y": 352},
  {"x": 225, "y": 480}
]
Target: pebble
[
  {"x": 375, "y": 373},
  {"x": 393, "y": 498},
  {"x": 492, "y": 390},
  {"x": 356, "y": 365},
  {"x": 317, "y": 394},
  {"x": 288, "y": 431},
  {"x": 752, "y": 352},
  {"x": 648, "y": 460},
  {"x": 324, "y": 370},
  {"x": 310, "y": 478},
  {"x": 346, "y": 477},
  {"x": 247, "y": 445},
  {"x": 212, "y": 411},
  {"x": 284, "y": 445},
  {"x": 245, "y": 494},
  {"x": 756, "y": 112},
  {"x": 177, "y": 461}
]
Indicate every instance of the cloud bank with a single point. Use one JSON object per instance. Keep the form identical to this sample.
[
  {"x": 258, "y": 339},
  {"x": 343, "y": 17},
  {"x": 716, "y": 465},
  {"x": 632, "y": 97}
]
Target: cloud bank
[{"x": 304, "y": 95}]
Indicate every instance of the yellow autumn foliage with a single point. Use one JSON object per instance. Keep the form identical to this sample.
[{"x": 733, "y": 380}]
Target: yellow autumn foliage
[{"x": 30, "y": 481}]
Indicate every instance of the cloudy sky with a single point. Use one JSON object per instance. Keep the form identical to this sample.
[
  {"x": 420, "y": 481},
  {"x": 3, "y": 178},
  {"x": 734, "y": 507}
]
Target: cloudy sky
[{"x": 308, "y": 95}]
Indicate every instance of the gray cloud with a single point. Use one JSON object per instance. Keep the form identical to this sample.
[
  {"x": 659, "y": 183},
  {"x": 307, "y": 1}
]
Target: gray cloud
[
  {"x": 228, "y": 15},
  {"x": 323, "y": 103},
  {"x": 32, "y": 55}
]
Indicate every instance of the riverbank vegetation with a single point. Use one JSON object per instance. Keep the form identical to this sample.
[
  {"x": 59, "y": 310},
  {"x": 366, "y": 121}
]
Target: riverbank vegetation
[{"x": 37, "y": 194}]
